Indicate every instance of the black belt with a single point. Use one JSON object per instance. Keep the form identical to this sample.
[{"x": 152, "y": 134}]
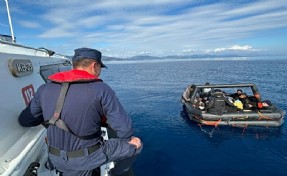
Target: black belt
[{"x": 76, "y": 153}]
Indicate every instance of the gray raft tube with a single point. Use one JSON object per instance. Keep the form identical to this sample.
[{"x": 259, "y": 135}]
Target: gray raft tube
[{"x": 241, "y": 118}]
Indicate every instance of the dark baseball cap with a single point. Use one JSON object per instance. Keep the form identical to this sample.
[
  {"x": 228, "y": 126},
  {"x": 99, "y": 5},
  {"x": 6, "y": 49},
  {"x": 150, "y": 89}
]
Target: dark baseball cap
[{"x": 89, "y": 54}]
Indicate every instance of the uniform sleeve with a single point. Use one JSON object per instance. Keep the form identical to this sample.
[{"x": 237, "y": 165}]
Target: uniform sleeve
[
  {"x": 117, "y": 118},
  {"x": 32, "y": 114}
]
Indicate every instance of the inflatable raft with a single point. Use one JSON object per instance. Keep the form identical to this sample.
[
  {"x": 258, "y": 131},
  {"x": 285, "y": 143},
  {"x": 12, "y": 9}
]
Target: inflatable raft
[{"x": 195, "y": 100}]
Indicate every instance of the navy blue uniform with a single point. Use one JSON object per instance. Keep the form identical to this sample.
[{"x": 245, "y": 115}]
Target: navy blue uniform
[{"x": 85, "y": 104}]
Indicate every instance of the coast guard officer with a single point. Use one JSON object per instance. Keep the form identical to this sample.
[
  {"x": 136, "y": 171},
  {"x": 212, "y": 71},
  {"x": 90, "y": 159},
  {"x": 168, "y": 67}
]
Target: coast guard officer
[{"x": 71, "y": 106}]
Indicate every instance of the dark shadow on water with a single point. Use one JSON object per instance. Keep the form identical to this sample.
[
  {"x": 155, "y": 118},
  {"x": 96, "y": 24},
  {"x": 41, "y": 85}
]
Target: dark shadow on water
[{"x": 221, "y": 133}]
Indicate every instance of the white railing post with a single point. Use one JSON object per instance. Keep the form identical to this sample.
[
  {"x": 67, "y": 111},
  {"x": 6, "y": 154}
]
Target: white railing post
[{"x": 10, "y": 23}]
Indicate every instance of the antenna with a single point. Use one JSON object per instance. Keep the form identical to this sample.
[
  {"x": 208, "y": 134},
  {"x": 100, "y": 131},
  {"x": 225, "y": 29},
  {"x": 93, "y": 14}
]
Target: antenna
[{"x": 10, "y": 23}]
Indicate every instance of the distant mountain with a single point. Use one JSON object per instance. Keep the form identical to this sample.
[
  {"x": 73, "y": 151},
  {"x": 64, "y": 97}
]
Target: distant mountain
[
  {"x": 190, "y": 56},
  {"x": 107, "y": 58},
  {"x": 143, "y": 57}
]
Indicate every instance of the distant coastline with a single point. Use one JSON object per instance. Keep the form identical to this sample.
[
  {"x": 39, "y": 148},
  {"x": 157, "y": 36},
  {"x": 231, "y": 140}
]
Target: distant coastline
[
  {"x": 139, "y": 59},
  {"x": 198, "y": 57}
]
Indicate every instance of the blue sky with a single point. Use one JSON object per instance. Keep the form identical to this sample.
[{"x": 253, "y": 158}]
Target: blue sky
[{"x": 124, "y": 28}]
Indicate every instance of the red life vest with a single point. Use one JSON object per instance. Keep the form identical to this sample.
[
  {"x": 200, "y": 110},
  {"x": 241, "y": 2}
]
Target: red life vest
[{"x": 73, "y": 76}]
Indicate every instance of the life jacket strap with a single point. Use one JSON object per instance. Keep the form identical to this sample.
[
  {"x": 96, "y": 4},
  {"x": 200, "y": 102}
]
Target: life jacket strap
[{"x": 57, "y": 121}]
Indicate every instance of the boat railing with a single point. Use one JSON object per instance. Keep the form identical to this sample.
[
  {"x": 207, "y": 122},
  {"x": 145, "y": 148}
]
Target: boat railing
[{"x": 14, "y": 48}]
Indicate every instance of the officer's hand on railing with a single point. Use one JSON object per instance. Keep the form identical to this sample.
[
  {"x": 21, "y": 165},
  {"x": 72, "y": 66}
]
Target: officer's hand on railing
[{"x": 136, "y": 141}]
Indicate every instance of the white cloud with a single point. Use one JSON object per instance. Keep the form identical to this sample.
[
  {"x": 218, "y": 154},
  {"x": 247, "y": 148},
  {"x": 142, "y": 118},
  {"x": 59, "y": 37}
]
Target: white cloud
[
  {"x": 29, "y": 24},
  {"x": 57, "y": 33},
  {"x": 235, "y": 48},
  {"x": 128, "y": 27}
]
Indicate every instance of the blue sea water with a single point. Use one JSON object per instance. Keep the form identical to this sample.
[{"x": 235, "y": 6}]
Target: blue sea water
[{"x": 173, "y": 145}]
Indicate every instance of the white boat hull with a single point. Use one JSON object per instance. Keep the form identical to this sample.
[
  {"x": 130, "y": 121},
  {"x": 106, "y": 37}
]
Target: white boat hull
[{"x": 20, "y": 146}]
